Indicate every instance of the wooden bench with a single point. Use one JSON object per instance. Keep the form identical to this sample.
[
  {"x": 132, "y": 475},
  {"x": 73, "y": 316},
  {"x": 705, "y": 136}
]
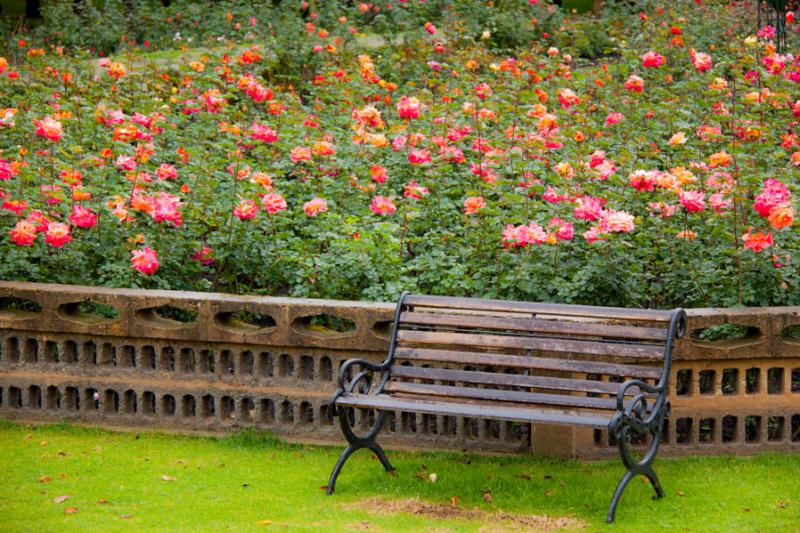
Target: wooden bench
[{"x": 598, "y": 367}]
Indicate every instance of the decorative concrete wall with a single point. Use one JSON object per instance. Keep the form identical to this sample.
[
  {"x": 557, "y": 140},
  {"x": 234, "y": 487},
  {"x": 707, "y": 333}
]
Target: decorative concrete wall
[{"x": 197, "y": 362}]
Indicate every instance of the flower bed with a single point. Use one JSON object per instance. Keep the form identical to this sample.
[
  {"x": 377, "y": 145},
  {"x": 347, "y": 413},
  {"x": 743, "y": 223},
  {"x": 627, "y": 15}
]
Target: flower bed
[{"x": 660, "y": 175}]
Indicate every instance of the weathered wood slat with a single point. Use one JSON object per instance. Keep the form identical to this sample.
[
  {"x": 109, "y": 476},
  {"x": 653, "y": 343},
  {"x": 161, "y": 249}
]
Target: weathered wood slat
[
  {"x": 523, "y": 361},
  {"x": 590, "y": 329},
  {"x": 424, "y": 389},
  {"x": 532, "y": 343},
  {"x": 648, "y": 315},
  {"x": 492, "y": 411},
  {"x": 509, "y": 380}
]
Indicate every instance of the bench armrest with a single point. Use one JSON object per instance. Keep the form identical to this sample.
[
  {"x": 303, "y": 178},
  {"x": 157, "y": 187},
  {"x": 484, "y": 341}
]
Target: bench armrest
[
  {"x": 643, "y": 388},
  {"x": 362, "y": 380}
]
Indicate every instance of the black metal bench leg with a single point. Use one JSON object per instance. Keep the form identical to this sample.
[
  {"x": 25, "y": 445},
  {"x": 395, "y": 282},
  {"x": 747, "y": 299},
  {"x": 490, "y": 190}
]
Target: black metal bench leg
[
  {"x": 623, "y": 432},
  {"x": 378, "y": 451},
  {"x": 355, "y": 444},
  {"x": 651, "y": 475},
  {"x": 338, "y": 468},
  {"x": 612, "y": 510}
]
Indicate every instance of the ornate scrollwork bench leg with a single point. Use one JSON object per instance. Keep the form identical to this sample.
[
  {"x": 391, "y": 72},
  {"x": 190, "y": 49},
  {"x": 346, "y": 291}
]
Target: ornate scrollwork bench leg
[
  {"x": 644, "y": 414},
  {"x": 636, "y": 421},
  {"x": 356, "y": 443},
  {"x": 362, "y": 383}
]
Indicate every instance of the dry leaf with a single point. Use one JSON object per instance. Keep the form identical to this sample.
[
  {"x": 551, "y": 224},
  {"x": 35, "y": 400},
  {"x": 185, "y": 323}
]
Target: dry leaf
[
  {"x": 168, "y": 478},
  {"x": 62, "y": 476},
  {"x": 61, "y": 499},
  {"x": 42, "y": 443},
  {"x": 45, "y": 479},
  {"x": 680, "y": 493},
  {"x": 70, "y": 510},
  {"x": 126, "y": 516},
  {"x": 487, "y": 496},
  {"x": 263, "y": 522},
  {"x": 454, "y": 501},
  {"x": 102, "y": 501},
  {"x": 746, "y": 509},
  {"x": 323, "y": 487}
]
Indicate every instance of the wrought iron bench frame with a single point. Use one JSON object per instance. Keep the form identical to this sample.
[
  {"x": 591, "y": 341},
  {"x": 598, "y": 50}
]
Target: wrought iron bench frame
[{"x": 642, "y": 415}]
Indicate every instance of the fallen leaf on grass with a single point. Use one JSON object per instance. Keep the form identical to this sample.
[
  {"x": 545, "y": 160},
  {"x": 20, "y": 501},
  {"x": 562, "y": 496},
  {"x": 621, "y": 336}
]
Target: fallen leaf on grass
[
  {"x": 487, "y": 497},
  {"x": 102, "y": 502},
  {"x": 61, "y": 499},
  {"x": 70, "y": 510},
  {"x": 680, "y": 493},
  {"x": 45, "y": 479},
  {"x": 323, "y": 487},
  {"x": 263, "y": 522},
  {"x": 42, "y": 443},
  {"x": 454, "y": 501},
  {"x": 62, "y": 476},
  {"x": 746, "y": 509},
  {"x": 126, "y": 516},
  {"x": 168, "y": 478}
]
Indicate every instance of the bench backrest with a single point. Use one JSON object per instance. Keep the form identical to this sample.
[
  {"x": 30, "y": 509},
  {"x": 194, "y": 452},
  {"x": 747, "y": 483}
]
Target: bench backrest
[{"x": 443, "y": 345}]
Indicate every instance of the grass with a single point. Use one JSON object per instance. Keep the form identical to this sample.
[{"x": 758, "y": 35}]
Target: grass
[{"x": 251, "y": 481}]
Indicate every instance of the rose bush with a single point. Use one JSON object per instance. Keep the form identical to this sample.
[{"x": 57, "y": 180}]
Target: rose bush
[{"x": 432, "y": 155}]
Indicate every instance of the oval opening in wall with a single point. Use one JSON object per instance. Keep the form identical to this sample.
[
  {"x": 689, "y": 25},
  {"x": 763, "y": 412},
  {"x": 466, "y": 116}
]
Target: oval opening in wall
[
  {"x": 168, "y": 316},
  {"x": 88, "y": 312},
  {"x": 725, "y": 334},
  {"x": 383, "y": 329},
  {"x": 245, "y": 321},
  {"x": 14, "y": 308},
  {"x": 324, "y": 325}
]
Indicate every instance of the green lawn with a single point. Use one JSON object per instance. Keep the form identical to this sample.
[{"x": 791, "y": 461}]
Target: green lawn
[{"x": 136, "y": 481}]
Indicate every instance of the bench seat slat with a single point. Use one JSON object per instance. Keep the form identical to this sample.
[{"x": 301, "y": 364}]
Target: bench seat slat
[
  {"x": 532, "y": 343},
  {"x": 483, "y": 410},
  {"x": 524, "y": 361},
  {"x": 648, "y": 315},
  {"x": 590, "y": 329},
  {"x": 510, "y": 380},
  {"x": 401, "y": 389}
]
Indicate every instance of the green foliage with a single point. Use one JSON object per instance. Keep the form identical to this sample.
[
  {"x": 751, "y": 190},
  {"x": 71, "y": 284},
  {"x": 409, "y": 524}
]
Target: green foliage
[{"x": 489, "y": 78}]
